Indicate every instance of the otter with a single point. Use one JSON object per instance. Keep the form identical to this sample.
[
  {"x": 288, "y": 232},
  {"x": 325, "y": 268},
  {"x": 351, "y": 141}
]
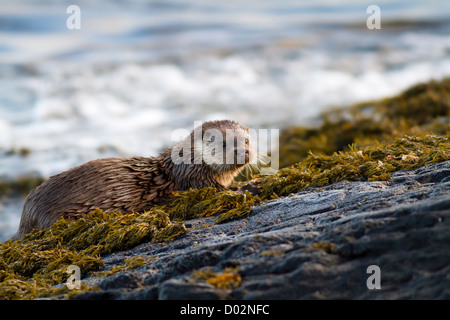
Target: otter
[{"x": 211, "y": 156}]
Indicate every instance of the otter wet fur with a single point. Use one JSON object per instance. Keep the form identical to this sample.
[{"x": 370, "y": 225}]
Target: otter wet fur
[{"x": 134, "y": 184}]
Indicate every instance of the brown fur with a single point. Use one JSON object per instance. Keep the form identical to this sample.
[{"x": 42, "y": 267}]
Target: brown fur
[{"x": 126, "y": 185}]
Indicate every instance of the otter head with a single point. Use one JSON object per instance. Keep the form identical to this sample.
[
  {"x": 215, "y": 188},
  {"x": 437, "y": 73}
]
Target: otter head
[
  {"x": 216, "y": 150},
  {"x": 226, "y": 147}
]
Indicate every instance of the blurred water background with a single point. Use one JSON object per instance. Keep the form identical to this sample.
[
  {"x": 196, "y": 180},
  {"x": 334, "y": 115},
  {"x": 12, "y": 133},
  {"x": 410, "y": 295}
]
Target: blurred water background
[{"x": 137, "y": 70}]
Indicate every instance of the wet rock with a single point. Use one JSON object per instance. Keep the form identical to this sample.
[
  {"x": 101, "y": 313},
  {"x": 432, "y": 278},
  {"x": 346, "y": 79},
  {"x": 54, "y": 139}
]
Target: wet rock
[
  {"x": 316, "y": 244},
  {"x": 175, "y": 289},
  {"x": 125, "y": 280}
]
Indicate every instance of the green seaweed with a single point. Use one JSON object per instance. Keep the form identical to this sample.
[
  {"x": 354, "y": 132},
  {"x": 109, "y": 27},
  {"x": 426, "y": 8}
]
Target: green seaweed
[
  {"x": 130, "y": 264},
  {"x": 21, "y": 185},
  {"x": 344, "y": 147},
  {"x": 373, "y": 163},
  {"x": 228, "y": 279},
  {"x": 208, "y": 201},
  {"x": 21, "y": 151},
  {"x": 422, "y": 109},
  {"x": 30, "y": 267},
  {"x": 326, "y": 246}
]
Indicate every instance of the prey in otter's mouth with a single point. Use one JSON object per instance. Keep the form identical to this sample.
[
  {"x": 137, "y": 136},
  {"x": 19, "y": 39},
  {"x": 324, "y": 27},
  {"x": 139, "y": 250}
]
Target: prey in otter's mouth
[{"x": 211, "y": 156}]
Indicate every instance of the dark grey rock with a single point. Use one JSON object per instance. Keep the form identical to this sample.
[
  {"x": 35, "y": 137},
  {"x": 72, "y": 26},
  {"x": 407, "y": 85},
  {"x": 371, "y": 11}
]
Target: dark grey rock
[
  {"x": 125, "y": 280},
  {"x": 149, "y": 293},
  {"x": 175, "y": 289},
  {"x": 316, "y": 244}
]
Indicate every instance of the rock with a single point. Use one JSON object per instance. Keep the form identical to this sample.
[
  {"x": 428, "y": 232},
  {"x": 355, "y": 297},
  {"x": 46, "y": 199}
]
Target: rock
[
  {"x": 175, "y": 289},
  {"x": 124, "y": 280},
  {"x": 316, "y": 244}
]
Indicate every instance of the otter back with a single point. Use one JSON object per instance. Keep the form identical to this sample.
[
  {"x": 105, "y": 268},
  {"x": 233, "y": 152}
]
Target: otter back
[{"x": 110, "y": 184}]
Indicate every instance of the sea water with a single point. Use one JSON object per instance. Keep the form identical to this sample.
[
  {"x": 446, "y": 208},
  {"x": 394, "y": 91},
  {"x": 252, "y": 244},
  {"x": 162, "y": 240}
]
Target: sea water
[{"x": 138, "y": 70}]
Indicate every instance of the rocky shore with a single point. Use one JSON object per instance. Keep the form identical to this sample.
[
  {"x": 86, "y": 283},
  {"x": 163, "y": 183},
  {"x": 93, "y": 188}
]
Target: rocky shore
[
  {"x": 360, "y": 209},
  {"x": 315, "y": 244}
]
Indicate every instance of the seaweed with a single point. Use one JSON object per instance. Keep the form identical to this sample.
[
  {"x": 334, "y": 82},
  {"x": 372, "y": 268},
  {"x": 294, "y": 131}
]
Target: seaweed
[
  {"x": 21, "y": 185},
  {"x": 21, "y": 151},
  {"x": 132, "y": 263},
  {"x": 271, "y": 252},
  {"x": 345, "y": 147},
  {"x": 30, "y": 267},
  {"x": 208, "y": 201},
  {"x": 326, "y": 246},
  {"x": 228, "y": 279},
  {"x": 421, "y": 109},
  {"x": 372, "y": 163}
]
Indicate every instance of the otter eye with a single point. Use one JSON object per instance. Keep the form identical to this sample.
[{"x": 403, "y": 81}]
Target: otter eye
[
  {"x": 246, "y": 141},
  {"x": 213, "y": 138}
]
